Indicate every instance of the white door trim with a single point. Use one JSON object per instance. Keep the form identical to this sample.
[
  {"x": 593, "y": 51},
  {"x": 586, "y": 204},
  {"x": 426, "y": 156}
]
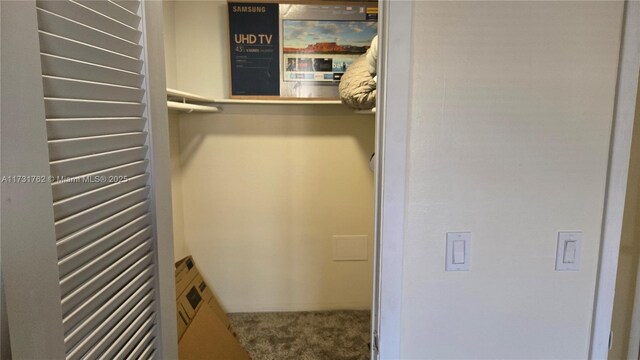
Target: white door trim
[
  {"x": 158, "y": 128},
  {"x": 29, "y": 255},
  {"x": 634, "y": 334},
  {"x": 619, "y": 154},
  {"x": 394, "y": 89}
]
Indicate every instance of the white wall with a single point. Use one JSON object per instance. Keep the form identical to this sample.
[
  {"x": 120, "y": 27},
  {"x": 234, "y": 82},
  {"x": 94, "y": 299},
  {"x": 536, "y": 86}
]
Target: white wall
[
  {"x": 629, "y": 253},
  {"x": 509, "y": 134},
  {"x": 263, "y": 189}
]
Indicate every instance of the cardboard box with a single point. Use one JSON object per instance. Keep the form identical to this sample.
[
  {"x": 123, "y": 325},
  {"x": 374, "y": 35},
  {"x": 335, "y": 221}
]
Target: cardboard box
[
  {"x": 204, "y": 330},
  {"x": 207, "y": 338},
  {"x": 211, "y": 300},
  {"x": 186, "y": 271},
  {"x": 264, "y": 64},
  {"x": 191, "y": 301},
  {"x": 183, "y": 321}
]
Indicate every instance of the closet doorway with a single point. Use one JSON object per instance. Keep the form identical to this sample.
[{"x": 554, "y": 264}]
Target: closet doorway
[
  {"x": 275, "y": 201},
  {"x": 625, "y": 325}
]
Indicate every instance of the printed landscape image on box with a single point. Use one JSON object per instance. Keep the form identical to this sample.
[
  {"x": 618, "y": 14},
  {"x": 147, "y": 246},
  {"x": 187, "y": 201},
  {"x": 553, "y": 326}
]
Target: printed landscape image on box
[{"x": 322, "y": 50}]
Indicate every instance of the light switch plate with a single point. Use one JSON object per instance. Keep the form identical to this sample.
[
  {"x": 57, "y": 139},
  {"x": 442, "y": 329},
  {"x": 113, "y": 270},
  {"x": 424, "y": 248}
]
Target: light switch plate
[
  {"x": 458, "y": 251},
  {"x": 568, "y": 250}
]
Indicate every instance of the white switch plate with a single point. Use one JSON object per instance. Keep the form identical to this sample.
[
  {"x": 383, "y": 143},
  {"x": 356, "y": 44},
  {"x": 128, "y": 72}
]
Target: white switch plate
[
  {"x": 350, "y": 248},
  {"x": 568, "y": 250},
  {"x": 458, "y": 251}
]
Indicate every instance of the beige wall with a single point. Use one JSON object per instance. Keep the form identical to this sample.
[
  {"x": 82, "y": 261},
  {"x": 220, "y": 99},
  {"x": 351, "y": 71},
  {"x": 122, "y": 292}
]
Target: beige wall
[
  {"x": 265, "y": 188},
  {"x": 168, "y": 12},
  {"x": 509, "y": 135},
  {"x": 202, "y": 59},
  {"x": 629, "y": 254},
  {"x": 262, "y": 189}
]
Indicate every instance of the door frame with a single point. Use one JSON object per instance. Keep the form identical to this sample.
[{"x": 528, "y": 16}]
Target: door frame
[
  {"x": 392, "y": 119},
  {"x": 634, "y": 334},
  {"x": 617, "y": 173},
  {"x": 160, "y": 183}
]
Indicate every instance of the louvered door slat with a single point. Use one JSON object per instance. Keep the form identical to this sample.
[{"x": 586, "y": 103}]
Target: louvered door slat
[
  {"x": 90, "y": 163},
  {"x": 130, "y": 5},
  {"x": 139, "y": 325},
  {"x": 62, "y": 46},
  {"x": 112, "y": 11},
  {"x": 96, "y": 300},
  {"x": 75, "y": 69},
  {"x": 90, "y": 216},
  {"x": 89, "y": 270},
  {"x": 96, "y": 117},
  {"x": 55, "y": 87},
  {"x": 121, "y": 302},
  {"x": 76, "y": 128},
  {"x": 148, "y": 353},
  {"x": 101, "y": 228},
  {"x": 142, "y": 344},
  {"x": 87, "y": 16},
  {"x": 140, "y": 333},
  {"x": 75, "y": 204},
  {"x": 76, "y": 31},
  {"x": 75, "y": 186},
  {"x": 120, "y": 289},
  {"x": 66, "y": 108},
  {"x": 141, "y": 309},
  {"x": 107, "y": 332},
  {"x": 75, "y": 147},
  {"x": 77, "y": 295},
  {"x": 93, "y": 250}
]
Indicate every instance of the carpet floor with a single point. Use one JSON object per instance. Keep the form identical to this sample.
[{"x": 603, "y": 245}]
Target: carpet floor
[{"x": 317, "y": 335}]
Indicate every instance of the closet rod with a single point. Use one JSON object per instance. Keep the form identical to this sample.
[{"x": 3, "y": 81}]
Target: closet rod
[
  {"x": 188, "y": 96},
  {"x": 174, "y": 105},
  {"x": 193, "y": 97},
  {"x": 366, "y": 112},
  {"x": 279, "y": 102},
  {"x": 185, "y": 96}
]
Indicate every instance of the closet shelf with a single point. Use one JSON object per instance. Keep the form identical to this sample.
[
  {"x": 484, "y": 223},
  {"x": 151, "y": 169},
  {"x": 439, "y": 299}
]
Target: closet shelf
[{"x": 185, "y": 98}]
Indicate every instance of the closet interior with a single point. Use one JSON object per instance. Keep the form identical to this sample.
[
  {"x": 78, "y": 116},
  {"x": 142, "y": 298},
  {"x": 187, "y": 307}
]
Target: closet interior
[{"x": 273, "y": 199}]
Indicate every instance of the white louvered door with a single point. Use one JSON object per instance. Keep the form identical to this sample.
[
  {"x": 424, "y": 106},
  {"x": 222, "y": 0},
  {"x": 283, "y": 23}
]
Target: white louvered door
[{"x": 94, "y": 98}]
